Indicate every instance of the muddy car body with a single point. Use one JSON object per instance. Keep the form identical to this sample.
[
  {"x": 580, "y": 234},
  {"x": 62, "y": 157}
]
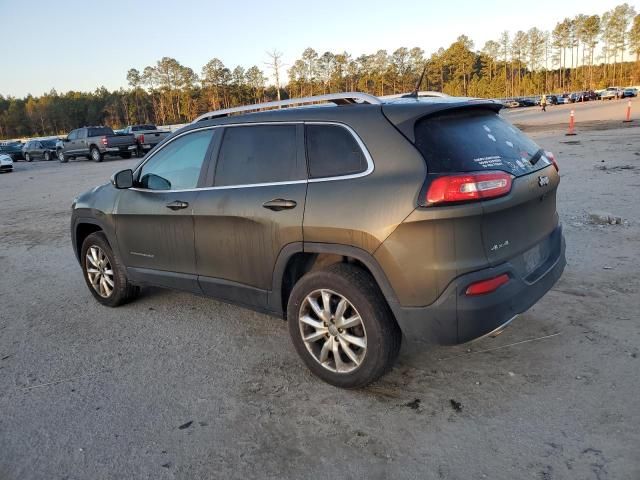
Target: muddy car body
[{"x": 359, "y": 222}]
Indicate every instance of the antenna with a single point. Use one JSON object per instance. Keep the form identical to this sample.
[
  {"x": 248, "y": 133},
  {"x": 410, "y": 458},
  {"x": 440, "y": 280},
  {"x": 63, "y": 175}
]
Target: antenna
[{"x": 414, "y": 94}]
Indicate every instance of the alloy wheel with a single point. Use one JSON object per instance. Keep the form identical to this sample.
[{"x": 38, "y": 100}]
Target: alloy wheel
[
  {"x": 332, "y": 331},
  {"x": 99, "y": 271}
]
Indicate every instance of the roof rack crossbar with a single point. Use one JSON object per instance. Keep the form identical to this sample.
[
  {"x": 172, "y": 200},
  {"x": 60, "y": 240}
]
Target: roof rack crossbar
[{"x": 344, "y": 98}]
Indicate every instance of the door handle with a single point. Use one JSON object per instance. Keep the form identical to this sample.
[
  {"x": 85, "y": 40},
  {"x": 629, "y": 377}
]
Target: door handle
[
  {"x": 177, "y": 205},
  {"x": 278, "y": 204}
]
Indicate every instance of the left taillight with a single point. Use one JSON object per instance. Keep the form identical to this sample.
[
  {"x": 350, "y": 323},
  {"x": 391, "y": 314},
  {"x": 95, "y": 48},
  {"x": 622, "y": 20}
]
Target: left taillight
[
  {"x": 104, "y": 140},
  {"x": 465, "y": 187}
]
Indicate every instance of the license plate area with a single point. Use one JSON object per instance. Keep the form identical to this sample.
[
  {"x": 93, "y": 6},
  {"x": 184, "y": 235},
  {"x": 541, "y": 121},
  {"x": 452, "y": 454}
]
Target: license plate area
[{"x": 532, "y": 259}]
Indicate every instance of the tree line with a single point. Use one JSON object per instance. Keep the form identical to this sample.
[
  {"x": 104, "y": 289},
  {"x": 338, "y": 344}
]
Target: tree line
[{"x": 580, "y": 53}]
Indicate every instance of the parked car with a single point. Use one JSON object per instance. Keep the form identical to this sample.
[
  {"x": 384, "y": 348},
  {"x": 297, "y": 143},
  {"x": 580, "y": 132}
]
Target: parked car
[
  {"x": 147, "y": 136},
  {"x": 629, "y": 92},
  {"x": 526, "y": 102},
  {"x": 6, "y": 163},
  {"x": 579, "y": 97},
  {"x": 44, "y": 149},
  {"x": 95, "y": 143},
  {"x": 610, "y": 93},
  {"x": 563, "y": 99},
  {"x": 432, "y": 218},
  {"x": 13, "y": 148}
]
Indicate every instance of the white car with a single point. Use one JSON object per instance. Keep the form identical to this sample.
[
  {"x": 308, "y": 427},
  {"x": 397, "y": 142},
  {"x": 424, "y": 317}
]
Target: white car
[{"x": 6, "y": 163}]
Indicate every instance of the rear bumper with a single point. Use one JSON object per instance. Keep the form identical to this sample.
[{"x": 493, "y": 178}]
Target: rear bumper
[
  {"x": 125, "y": 148},
  {"x": 457, "y": 318}
]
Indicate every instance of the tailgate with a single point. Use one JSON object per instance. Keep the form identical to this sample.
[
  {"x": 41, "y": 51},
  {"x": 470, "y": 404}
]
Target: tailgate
[
  {"x": 477, "y": 140},
  {"x": 520, "y": 223},
  {"x": 120, "y": 140}
]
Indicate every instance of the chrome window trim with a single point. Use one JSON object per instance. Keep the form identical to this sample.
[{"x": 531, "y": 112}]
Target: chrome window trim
[{"x": 365, "y": 151}]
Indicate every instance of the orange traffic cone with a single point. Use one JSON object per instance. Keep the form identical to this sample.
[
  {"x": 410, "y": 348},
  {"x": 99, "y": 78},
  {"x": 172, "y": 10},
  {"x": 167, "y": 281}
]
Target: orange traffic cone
[
  {"x": 572, "y": 124},
  {"x": 628, "y": 118}
]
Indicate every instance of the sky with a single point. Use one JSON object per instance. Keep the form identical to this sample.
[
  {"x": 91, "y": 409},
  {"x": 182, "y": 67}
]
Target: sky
[{"x": 82, "y": 45}]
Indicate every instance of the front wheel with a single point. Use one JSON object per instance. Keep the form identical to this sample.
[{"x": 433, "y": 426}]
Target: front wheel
[
  {"x": 47, "y": 156},
  {"x": 342, "y": 327},
  {"x": 62, "y": 157},
  {"x": 95, "y": 154},
  {"x": 104, "y": 274}
]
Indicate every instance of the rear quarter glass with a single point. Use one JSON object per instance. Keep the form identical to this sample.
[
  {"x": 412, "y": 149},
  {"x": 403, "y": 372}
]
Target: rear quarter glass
[{"x": 476, "y": 140}]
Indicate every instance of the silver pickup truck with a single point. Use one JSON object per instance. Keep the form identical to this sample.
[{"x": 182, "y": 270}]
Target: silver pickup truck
[
  {"x": 95, "y": 143},
  {"x": 147, "y": 136}
]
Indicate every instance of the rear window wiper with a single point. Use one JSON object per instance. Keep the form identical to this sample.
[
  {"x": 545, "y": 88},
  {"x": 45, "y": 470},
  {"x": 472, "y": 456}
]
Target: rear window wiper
[{"x": 533, "y": 160}]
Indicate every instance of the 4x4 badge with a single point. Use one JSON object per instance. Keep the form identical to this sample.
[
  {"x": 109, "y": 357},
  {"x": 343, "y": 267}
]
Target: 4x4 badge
[{"x": 543, "y": 181}]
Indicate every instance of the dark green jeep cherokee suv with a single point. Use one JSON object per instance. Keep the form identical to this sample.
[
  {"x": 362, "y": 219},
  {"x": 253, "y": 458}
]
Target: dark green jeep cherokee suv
[{"x": 358, "y": 221}]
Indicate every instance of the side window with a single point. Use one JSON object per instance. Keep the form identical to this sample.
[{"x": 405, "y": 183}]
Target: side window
[
  {"x": 177, "y": 166},
  {"x": 258, "y": 154},
  {"x": 73, "y": 135},
  {"x": 82, "y": 133},
  {"x": 332, "y": 151}
]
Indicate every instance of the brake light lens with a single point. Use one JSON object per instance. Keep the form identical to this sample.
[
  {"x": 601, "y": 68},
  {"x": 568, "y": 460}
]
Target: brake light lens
[
  {"x": 104, "y": 140},
  {"x": 487, "y": 286},
  {"x": 468, "y": 186},
  {"x": 552, "y": 157},
  {"x": 141, "y": 138}
]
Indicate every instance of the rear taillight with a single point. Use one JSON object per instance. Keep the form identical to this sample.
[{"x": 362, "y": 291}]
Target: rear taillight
[
  {"x": 141, "y": 138},
  {"x": 104, "y": 140},
  {"x": 468, "y": 186},
  {"x": 487, "y": 286},
  {"x": 552, "y": 157}
]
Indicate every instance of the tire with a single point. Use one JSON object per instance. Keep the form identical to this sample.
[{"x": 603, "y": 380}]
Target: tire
[
  {"x": 126, "y": 155},
  {"x": 381, "y": 334},
  {"x": 95, "y": 155},
  {"x": 121, "y": 291},
  {"x": 62, "y": 158},
  {"x": 27, "y": 157},
  {"x": 47, "y": 156}
]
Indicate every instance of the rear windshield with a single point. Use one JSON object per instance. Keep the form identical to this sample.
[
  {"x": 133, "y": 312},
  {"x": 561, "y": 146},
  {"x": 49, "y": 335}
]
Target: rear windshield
[
  {"x": 99, "y": 131},
  {"x": 475, "y": 140}
]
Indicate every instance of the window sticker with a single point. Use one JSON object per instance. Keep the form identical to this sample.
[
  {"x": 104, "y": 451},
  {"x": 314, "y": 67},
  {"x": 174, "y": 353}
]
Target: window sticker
[{"x": 489, "y": 162}]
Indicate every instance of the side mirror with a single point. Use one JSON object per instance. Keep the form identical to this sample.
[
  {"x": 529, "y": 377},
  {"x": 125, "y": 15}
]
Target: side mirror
[{"x": 122, "y": 179}]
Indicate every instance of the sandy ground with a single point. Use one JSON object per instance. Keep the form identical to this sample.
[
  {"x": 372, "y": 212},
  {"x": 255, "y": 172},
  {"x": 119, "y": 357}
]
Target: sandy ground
[{"x": 178, "y": 386}]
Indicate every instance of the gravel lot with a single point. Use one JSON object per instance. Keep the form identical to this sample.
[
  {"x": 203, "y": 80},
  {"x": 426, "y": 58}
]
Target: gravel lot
[{"x": 178, "y": 386}]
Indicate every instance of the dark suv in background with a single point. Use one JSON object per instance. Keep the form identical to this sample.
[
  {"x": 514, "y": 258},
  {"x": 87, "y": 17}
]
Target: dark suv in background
[
  {"x": 43, "y": 149},
  {"x": 434, "y": 218}
]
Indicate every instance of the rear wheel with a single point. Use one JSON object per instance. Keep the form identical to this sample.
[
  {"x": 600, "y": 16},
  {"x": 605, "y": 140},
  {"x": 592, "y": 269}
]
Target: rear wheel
[
  {"x": 104, "y": 274},
  {"x": 95, "y": 154},
  {"x": 27, "y": 157},
  {"x": 341, "y": 326}
]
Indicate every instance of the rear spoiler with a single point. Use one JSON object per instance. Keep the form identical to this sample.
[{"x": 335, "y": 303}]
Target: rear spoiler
[{"x": 403, "y": 115}]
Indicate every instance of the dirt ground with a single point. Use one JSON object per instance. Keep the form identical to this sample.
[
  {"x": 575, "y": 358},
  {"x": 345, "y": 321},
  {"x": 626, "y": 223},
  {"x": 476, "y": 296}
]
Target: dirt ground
[{"x": 179, "y": 386}]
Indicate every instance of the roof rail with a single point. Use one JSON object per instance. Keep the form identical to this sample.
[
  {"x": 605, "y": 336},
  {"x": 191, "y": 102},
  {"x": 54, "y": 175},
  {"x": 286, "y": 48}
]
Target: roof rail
[
  {"x": 421, "y": 93},
  {"x": 344, "y": 98}
]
